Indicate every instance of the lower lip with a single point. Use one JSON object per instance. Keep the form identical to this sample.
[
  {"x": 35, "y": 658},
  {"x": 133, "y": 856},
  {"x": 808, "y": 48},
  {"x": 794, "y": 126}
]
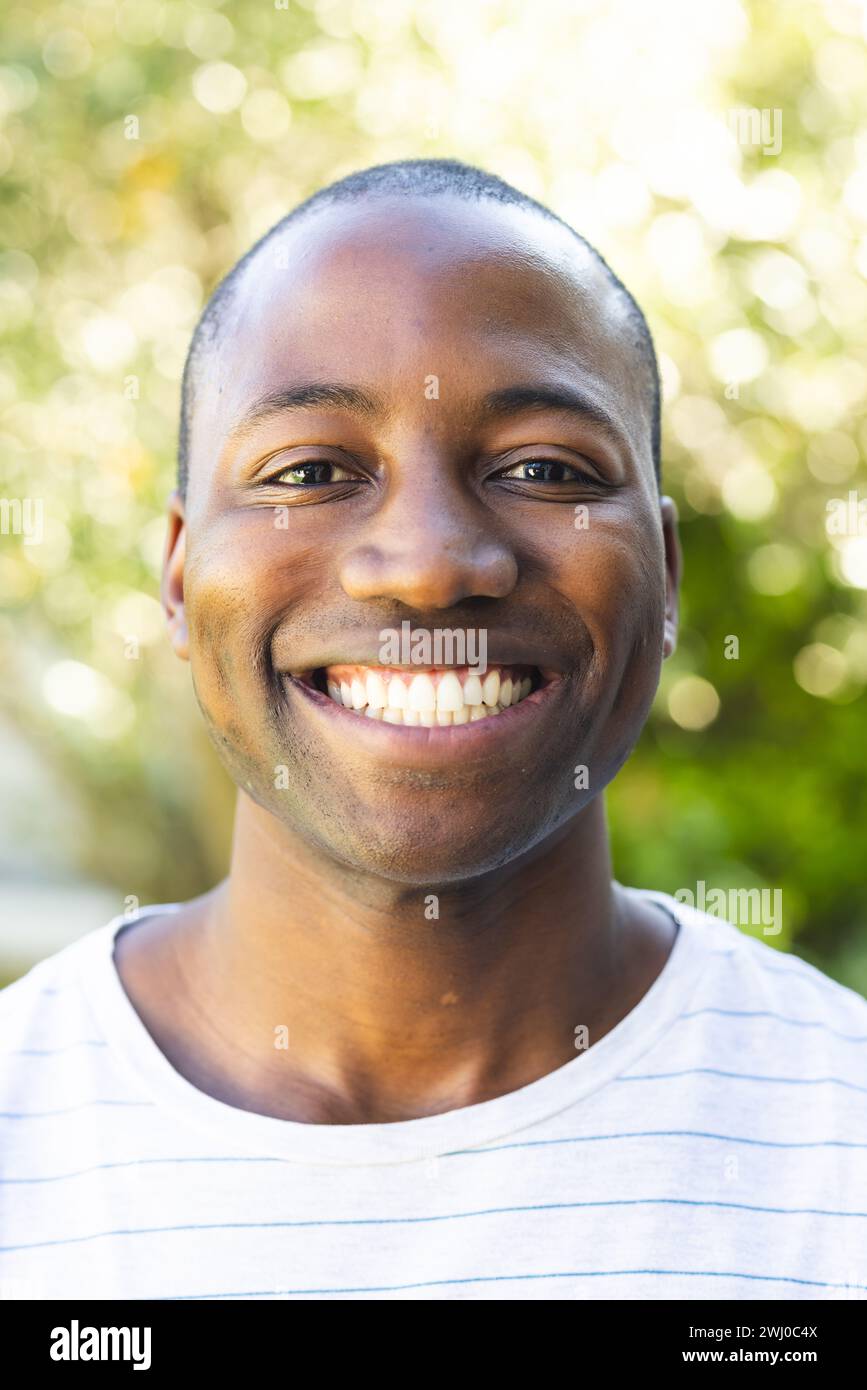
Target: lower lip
[{"x": 419, "y": 746}]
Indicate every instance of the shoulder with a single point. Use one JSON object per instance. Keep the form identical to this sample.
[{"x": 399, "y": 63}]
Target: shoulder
[
  {"x": 771, "y": 974},
  {"x": 49, "y": 1008},
  {"x": 56, "y": 1037},
  {"x": 48, "y": 997},
  {"x": 760, "y": 999}
]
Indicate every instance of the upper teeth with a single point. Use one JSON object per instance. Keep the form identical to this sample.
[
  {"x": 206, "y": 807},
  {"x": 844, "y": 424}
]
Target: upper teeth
[{"x": 428, "y": 698}]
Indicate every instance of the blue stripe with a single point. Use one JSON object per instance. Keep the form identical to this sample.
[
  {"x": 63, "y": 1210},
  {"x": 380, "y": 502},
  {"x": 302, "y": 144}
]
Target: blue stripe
[
  {"x": 664, "y": 1134},
  {"x": 780, "y": 1018},
  {"x": 804, "y": 972},
  {"x": 463, "y": 1153},
  {"x": 141, "y": 1162},
  {"x": 425, "y": 1220},
  {"x": 499, "y": 1278},
  {"x": 69, "y": 1110},
  {"x": 810, "y": 974},
  {"x": 745, "y": 1076}
]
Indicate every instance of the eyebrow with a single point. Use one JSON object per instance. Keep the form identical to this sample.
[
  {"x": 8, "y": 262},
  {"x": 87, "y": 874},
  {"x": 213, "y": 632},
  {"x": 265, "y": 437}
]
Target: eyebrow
[
  {"x": 509, "y": 400},
  {"x": 306, "y": 396},
  {"x": 512, "y": 400}
]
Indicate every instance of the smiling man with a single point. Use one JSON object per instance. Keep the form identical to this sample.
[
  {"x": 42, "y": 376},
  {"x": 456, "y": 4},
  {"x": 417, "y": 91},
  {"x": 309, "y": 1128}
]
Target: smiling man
[{"x": 419, "y": 1043}]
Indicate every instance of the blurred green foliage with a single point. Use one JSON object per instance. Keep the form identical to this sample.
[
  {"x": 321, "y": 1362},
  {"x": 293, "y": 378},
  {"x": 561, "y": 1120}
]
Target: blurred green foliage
[{"x": 145, "y": 145}]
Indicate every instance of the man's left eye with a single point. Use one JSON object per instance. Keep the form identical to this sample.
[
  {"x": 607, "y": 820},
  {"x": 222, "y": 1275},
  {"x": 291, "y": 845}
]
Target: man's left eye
[
  {"x": 543, "y": 471},
  {"x": 311, "y": 474}
]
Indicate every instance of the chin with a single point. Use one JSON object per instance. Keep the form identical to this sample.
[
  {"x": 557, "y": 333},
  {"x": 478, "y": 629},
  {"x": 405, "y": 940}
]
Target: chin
[{"x": 429, "y": 848}]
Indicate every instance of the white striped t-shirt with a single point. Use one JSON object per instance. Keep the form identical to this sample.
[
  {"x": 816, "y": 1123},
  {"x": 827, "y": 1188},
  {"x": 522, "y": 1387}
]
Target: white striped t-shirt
[{"x": 712, "y": 1145}]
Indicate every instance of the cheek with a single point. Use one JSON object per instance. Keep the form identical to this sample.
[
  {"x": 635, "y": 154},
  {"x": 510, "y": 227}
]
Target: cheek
[
  {"x": 627, "y": 597},
  {"x": 626, "y": 616},
  {"x": 614, "y": 576},
  {"x": 238, "y": 586},
  {"x": 616, "y": 582}
]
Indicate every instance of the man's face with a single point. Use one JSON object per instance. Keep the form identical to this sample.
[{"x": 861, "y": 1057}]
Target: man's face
[{"x": 440, "y": 501}]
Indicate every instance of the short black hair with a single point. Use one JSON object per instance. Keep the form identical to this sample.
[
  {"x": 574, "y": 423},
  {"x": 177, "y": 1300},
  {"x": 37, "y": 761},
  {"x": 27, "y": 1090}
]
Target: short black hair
[{"x": 427, "y": 177}]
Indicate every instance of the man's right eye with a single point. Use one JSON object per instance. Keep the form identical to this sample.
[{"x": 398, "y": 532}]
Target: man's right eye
[{"x": 311, "y": 474}]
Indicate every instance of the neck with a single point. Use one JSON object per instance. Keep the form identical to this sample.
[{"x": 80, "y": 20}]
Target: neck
[{"x": 399, "y": 1003}]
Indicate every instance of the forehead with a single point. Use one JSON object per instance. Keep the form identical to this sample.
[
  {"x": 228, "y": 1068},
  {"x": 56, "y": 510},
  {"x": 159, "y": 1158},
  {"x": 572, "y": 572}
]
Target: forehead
[{"x": 384, "y": 293}]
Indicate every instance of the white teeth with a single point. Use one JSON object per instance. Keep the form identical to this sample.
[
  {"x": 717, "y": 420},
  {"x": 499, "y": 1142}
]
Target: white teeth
[
  {"x": 396, "y": 693},
  {"x": 450, "y": 697},
  {"x": 422, "y": 695},
  {"x": 376, "y": 693},
  {"x": 422, "y": 701},
  {"x": 491, "y": 688}
]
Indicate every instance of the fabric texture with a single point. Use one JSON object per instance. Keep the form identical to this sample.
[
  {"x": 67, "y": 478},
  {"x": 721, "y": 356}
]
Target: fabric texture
[{"x": 713, "y": 1145}]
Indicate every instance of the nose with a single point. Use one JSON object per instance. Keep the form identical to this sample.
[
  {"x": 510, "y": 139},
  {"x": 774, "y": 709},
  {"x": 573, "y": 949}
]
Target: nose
[{"x": 429, "y": 546}]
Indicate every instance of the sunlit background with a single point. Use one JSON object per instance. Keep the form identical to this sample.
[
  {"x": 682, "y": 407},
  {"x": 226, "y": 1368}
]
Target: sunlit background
[{"x": 717, "y": 156}]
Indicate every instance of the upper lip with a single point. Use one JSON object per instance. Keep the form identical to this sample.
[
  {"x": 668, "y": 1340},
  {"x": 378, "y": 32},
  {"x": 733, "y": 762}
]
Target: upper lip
[{"x": 364, "y": 651}]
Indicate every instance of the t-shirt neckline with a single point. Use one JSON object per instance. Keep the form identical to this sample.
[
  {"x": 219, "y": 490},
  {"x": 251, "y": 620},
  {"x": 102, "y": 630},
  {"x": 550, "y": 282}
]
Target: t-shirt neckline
[{"x": 393, "y": 1141}]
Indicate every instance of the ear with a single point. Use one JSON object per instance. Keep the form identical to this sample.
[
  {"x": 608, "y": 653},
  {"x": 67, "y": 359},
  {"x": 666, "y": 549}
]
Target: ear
[
  {"x": 172, "y": 589},
  {"x": 673, "y": 570}
]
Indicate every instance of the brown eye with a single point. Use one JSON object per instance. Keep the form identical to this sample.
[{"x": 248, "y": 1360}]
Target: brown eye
[
  {"x": 311, "y": 474},
  {"x": 543, "y": 471}
]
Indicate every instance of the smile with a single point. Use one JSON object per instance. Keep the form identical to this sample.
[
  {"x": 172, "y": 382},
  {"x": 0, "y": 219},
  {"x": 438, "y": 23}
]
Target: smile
[
  {"x": 430, "y": 717},
  {"x": 431, "y": 698}
]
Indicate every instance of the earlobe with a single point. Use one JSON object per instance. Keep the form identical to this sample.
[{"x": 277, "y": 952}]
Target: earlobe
[
  {"x": 172, "y": 588},
  {"x": 673, "y": 569}
]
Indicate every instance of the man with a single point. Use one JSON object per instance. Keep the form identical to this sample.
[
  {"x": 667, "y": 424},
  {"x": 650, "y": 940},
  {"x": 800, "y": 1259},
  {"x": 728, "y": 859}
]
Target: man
[{"x": 418, "y": 1044}]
